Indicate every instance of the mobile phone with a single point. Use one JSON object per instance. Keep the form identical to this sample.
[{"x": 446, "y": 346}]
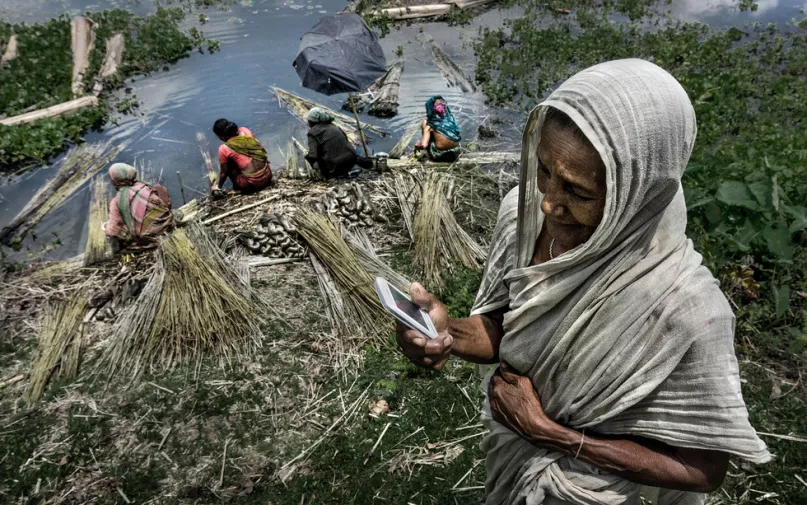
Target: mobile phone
[{"x": 403, "y": 309}]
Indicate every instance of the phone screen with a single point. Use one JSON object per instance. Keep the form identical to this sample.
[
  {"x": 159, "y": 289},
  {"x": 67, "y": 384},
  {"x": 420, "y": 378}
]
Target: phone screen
[{"x": 407, "y": 306}]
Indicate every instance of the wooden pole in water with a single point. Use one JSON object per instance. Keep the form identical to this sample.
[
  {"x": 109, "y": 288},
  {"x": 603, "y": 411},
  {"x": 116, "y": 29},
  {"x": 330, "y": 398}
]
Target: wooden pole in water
[
  {"x": 358, "y": 125},
  {"x": 181, "y": 188}
]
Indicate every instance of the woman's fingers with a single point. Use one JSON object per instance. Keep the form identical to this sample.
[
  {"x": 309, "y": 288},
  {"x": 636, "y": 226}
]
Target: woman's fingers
[
  {"x": 508, "y": 373},
  {"x": 432, "y": 353},
  {"x": 421, "y": 297}
]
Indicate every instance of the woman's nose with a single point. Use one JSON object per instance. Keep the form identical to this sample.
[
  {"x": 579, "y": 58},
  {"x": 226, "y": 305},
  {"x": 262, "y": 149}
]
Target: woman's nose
[{"x": 552, "y": 204}]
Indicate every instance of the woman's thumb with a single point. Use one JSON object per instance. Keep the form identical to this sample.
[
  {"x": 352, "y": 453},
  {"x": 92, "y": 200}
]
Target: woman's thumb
[{"x": 420, "y": 296}]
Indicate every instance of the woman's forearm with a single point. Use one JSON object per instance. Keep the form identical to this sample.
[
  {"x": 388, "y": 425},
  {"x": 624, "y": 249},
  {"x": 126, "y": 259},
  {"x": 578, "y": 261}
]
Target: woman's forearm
[
  {"x": 641, "y": 460},
  {"x": 223, "y": 174},
  {"x": 477, "y": 338}
]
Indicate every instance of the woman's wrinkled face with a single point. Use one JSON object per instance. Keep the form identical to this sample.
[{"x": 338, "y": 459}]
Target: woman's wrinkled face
[{"x": 571, "y": 175}]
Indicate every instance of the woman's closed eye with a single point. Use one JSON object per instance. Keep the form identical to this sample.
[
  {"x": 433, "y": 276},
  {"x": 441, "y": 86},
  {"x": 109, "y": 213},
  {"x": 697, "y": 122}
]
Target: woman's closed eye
[{"x": 577, "y": 194}]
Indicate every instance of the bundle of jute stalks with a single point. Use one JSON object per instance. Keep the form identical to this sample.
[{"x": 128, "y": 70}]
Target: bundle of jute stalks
[
  {"x": 347, "y": 284},
  {"x": 439, "y": 240},
  {"x": 197, "y": 304}
]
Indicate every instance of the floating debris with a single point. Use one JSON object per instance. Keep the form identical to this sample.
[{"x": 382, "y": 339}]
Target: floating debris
[{"x": 79, "y": 166}]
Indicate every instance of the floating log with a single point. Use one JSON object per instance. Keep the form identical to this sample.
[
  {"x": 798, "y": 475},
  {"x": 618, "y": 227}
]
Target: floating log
[
  {"x": 82, "y": 42},
  {"x": 426, "y": 11},
  {"x": 12, "y": 51},
  {"x": 78, "y": 167},
  {"x": 382, "y": 95},
  {"x": 112, "y": 60},
  {"x": 450, "y": 70},
  {"x": 300, "y": 106},
  {"x": 400, "y": 148},
  {"x": 466, "y": 159},
  {"x": 54, "y": 111}
]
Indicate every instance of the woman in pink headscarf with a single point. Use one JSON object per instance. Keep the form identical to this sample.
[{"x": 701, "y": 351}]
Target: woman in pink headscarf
[{"x": 139, "y": 213}]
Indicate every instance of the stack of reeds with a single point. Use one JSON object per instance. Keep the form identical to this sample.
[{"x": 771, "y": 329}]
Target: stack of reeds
[
  {"x": 365, "y": 253},
  {"x": 79, "y": 166},
  {"x": 210, "y": 169},
  {"x": 360, "y": 310},
  {"x": 59, "y": 348},
  {"x": 97, "y": 246},
  {"x": 198, "y": 303},
  {"x": 438, "y": 238}
]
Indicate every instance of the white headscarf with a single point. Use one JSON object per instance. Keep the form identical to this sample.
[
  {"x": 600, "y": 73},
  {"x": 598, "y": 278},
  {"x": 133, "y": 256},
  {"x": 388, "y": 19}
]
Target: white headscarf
[{"x": 627, "y": 333}]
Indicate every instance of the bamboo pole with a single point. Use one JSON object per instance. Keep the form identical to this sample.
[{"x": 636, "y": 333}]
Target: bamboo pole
[
  {"x": 181, "y": 188},
  {"x": 54, "y": 111},
  {"x": 466, "y": 159},
  {"x": 358, "y": 126},
  {"x": 240, "y": 209}
]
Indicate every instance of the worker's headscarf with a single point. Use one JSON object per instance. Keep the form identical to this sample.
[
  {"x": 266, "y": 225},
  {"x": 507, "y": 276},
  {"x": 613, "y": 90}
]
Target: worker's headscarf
[
  {"x": 121, "y": 174},
  {"x": 440, "y": 118},
  {"x": 319, "y": 115}
]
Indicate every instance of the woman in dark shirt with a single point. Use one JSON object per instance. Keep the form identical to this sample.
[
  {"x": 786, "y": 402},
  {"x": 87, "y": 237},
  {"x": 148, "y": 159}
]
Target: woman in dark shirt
[{"x": 329, "y": 150}]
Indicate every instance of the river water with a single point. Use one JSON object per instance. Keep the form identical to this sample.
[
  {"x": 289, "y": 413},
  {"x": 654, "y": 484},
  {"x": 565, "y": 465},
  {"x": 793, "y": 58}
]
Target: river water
[{"x": 259, "y": 41}]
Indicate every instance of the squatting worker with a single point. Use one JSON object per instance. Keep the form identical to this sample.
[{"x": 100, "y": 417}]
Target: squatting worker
[
  {"x": 139, "y": 213},
  {"x": 441, "y": 133},
  {"x": 615, "y": 345},
  {"x": 242, "y": 158},
  {"x": 329, "y": 149}
]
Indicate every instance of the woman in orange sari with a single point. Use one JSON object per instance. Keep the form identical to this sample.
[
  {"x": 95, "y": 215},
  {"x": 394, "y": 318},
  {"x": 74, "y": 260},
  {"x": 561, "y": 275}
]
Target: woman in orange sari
[{"x": 242, "y": 158}]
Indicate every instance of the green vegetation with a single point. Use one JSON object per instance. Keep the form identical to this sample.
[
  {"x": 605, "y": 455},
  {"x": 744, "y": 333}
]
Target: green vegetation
[{"x": 41, "y": 76}]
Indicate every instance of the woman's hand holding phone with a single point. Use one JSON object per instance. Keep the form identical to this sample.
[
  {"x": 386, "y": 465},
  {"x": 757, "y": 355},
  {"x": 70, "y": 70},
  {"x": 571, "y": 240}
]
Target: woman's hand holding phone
[{"x": 429, "y": 353}]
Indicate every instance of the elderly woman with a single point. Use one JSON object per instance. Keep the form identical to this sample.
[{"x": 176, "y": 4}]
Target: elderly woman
[
  {"x": 615, "y": 345},
  {"x": 242, "y": 158},
  {"x": 139, "y": 213},
  {"x": 441, "y": 133}
]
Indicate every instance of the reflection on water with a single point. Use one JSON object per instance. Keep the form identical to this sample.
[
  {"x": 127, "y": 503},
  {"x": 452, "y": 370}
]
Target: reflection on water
[{"x": 260, "y": 39}]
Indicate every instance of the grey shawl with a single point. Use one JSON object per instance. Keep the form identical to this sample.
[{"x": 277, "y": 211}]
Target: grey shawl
[{"x": 627, "y": 333}]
